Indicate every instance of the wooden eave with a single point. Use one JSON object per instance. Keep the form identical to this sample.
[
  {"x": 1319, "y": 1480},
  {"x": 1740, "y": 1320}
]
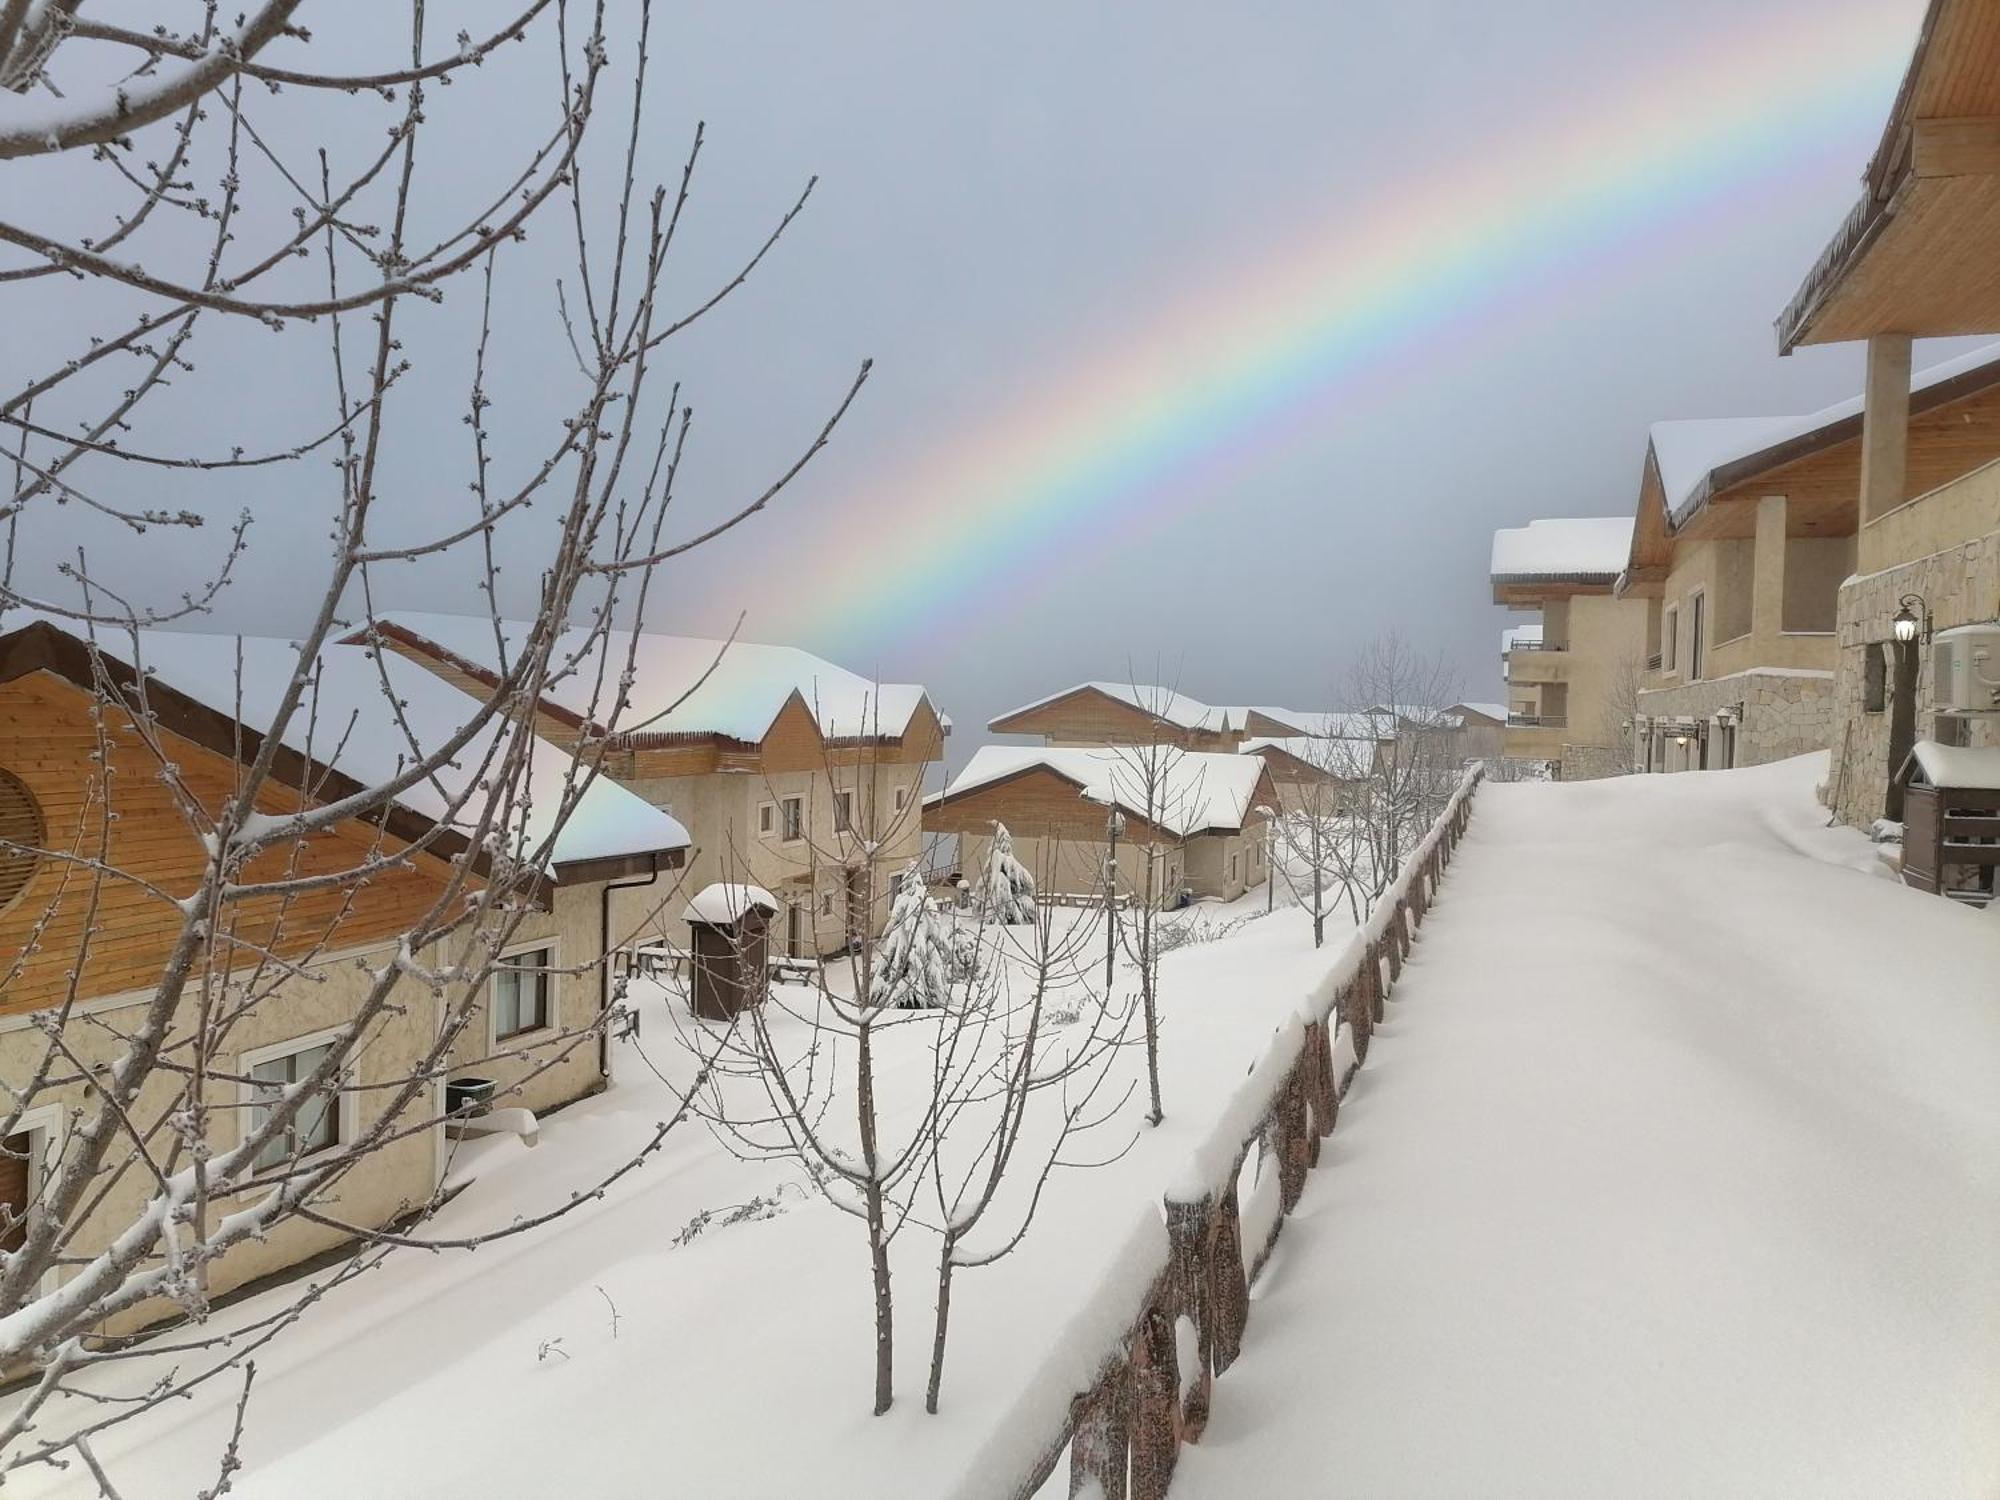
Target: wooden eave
[
  {"x": 619, "y": 866},
  {"x": 42, "y": 647},
  {"x": 946, "y": 799},
  {"x": 1914, "y": 254},
  {"x": 1008, "y": 723},
  {"x": 1531, "y": 590}
]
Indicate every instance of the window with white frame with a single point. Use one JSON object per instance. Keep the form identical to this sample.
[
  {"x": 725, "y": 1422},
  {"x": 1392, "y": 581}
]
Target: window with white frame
[
  {"x": 792, "y": 819},
  {"x": 843, "y": 812},
  {"x": 522, "y": 991},
  {"x": 826, "y": 903},
  {"x": 767, "y": 819},
  {"x": 317, "y": 1124},
  {"x": 1233, "y": 861}
]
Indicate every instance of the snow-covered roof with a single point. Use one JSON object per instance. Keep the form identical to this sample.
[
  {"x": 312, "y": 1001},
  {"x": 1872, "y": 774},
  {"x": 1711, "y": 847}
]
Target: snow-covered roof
[
  {"x": 1161, "y": 702},
  {"x": 1320, "y": 723},
  {"x": 1351, "y": 759},
  {"x": 1195, "y": 791},
  {"x": 1687, "y": 453},
  {"x": 1484, "y": 710},
  {"x": 1974, "y": 767},
  {"x": 369, "y": 719},
  {"x": 723, "y": 903},
  {"x": 1573, "y": 548},
  {"x": 682, "y": 684}
]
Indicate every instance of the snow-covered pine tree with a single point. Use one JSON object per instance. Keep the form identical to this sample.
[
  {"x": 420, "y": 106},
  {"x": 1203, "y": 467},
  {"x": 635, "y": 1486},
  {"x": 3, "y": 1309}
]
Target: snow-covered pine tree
[
  {"x": 913, "y": 961},
  {"x": 1006, "y": 889}
]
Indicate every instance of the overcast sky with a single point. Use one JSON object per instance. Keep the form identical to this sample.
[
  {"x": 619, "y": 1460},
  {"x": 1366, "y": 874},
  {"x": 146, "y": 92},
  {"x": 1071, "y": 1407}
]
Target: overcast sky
[{"x": 1046, "y": 219}]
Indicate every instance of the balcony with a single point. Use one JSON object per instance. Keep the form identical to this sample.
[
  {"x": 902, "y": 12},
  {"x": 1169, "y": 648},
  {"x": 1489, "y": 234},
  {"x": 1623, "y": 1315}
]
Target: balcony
[
  {"x": 1537, "y": 721},
  {"x": 1541, "y": 663}
]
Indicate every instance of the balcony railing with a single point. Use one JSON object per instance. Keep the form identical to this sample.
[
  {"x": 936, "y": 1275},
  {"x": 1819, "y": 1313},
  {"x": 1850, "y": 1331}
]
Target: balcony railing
[
  {"x": 1537, "y": 721},
  {"x": 1539, "y": 646}
]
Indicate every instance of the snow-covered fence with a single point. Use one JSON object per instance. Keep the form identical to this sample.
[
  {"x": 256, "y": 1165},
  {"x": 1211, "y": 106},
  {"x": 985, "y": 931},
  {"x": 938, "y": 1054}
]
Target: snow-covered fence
[{"x": 1190, "y": 1285}]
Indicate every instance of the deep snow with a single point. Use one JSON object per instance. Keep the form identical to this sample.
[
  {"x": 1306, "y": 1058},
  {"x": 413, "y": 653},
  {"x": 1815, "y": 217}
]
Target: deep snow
[{"x": 1675, "y": 1172}]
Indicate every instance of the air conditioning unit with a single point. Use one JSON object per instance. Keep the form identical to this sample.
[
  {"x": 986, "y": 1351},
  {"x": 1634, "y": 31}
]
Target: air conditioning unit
[{"x": 1965, "y": 668}]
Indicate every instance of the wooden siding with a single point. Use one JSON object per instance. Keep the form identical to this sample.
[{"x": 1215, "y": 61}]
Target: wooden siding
[
  {"x": 1089, "y": 716},
  {"x": 48, "y": 741},
  {"x": 1034, "y": 803}
]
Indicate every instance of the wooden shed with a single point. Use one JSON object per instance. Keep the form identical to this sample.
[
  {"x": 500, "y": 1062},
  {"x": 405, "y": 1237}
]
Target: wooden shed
[
  {"x": 1951, "y": 819},
  {"x": 729, "y": 934}
]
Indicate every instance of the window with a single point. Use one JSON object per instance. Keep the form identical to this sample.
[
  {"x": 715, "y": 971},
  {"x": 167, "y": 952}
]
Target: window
[
  {"x": 1670, "y": 640},
  {"x": 1874, "y": 679},
  {"x": 316, "y": 1126},
  {"x": 793, "y": 819},
  {"x": 20, "y": 823},
  {"x": 902, "y": 798},
  {"x": 767, "y": 819},
  {"x": 826, "y": 903},
  {"x": 17, "y": 1188},
  {"x": 843, "y": 812},
  {"x": 1234, "y": 860},
  {"x": 1697, "y": 652},
  {"x": 521, "y": 992}
]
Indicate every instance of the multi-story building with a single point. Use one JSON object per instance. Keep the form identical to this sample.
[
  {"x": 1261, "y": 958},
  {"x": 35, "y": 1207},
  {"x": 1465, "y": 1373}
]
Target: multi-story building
[
  {"x": 1745, "y": 532},
  {"x": 1581, "y": 670},
  {"x": 1915, "y": 259}
]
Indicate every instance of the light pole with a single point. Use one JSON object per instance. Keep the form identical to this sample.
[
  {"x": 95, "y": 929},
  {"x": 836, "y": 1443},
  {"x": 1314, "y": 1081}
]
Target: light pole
[
  {"x": 1113, "y": 826},
  {"x": 1911, "y": 628}
]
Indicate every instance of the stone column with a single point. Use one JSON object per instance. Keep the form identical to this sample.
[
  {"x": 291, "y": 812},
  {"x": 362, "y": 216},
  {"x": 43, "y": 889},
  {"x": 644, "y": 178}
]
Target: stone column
[
  {"x": 1767, "y": 571},
  {"x": 1885, "y": 425}
]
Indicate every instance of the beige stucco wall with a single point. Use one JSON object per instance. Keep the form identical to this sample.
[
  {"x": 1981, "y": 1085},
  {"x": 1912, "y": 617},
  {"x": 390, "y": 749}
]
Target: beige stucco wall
[
  {"x": 720, "y": 812},
  {"x": 401, "y": 1176},
  {"x": 544, "y": 1069},
  {"x": 1208, "y": 857},
  {"x": 1756, "y": 617},
  {"x": 1604, "y": 645}
]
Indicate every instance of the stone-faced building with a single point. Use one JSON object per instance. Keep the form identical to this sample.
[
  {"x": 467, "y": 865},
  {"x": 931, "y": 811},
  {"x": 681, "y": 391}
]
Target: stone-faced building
[
  {"x": 1746, "y": 531},
  {"x": 1915, "y": 259}
]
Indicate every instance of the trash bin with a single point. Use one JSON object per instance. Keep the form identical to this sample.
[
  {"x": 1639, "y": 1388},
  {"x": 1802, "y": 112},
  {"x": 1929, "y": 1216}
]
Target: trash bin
[{"x": 468, "y": 1096}]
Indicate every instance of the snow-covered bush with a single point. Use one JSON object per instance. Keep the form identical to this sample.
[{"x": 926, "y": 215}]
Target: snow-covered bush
[
  {"x": 1006, "y": 890},
  {"x": 914, "y": 960}
]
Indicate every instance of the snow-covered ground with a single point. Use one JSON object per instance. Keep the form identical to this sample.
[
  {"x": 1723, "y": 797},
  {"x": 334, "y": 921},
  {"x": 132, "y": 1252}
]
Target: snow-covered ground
[
  {"x": 1675, "y": 1172},
  {"x": 598, "y": 1355}
]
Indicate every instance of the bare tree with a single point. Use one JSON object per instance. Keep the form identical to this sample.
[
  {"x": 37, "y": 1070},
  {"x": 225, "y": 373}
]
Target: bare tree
[
  {"x": 1417, "y": 762},
  {"x": 177, "y": 121},
  {"x": 1621, "y": 709},
  {"x": 1321, "y": 842},
  {"x": 1037, "y": 1027}
]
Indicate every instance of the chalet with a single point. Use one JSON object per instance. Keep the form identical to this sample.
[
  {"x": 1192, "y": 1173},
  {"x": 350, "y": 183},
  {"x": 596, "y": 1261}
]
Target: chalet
[
  {"x": 1116, "y": 713},
  {"x": 790, "y": 773},
  {"x": 153, "y": 727},
  {"x": 1195, "y": 821},
  {"x": 1746, "y": 530},
  {"x": 1914, "y": 259},
  {"x": 1590, "y": 649},
  {"x": 1315, "y": 773}
]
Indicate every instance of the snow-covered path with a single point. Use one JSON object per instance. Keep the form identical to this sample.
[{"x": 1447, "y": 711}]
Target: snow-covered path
[{"x": 1675, "y": 1172}]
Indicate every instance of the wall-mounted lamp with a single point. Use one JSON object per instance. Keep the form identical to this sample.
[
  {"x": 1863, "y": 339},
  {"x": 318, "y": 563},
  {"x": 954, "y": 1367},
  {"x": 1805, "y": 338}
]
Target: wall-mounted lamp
[{"x": 1913, "y": 619}]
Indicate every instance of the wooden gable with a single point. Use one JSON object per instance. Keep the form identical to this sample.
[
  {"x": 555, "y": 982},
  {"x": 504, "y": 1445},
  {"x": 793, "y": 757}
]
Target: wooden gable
[
  {"x": 1089, "y": 715},
  {"x": 48, "y": 740}
]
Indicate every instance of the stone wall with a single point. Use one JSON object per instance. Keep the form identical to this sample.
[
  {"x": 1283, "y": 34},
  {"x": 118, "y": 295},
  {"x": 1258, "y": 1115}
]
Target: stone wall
[
  {"x": 1782, "y": 713},
  {"x": 1592, "y": 762},
  {"x": 1961, "y": 585}
]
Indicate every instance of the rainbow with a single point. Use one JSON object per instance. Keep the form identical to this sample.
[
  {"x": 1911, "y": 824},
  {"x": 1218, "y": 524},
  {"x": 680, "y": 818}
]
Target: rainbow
[{"x": 1233, "y": 375}]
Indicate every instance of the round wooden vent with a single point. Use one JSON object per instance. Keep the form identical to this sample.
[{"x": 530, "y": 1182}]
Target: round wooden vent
[{"x": 20, "y": 823}]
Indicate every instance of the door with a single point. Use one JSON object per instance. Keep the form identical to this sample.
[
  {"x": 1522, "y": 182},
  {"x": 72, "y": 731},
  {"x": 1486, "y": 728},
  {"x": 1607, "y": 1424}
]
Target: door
[{"x": 795, "y": 931}]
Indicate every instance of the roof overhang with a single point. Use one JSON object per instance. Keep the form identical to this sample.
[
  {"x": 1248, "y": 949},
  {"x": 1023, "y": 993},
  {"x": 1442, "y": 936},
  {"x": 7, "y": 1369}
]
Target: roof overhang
[
  {"x": 1915, "y": 255},
  {"x": 42, "y": 647},
  {"x": 1527, "y": 590}
]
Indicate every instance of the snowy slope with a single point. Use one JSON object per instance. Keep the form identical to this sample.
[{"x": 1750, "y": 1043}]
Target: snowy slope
[{"x": 1676, "y": 1173}]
